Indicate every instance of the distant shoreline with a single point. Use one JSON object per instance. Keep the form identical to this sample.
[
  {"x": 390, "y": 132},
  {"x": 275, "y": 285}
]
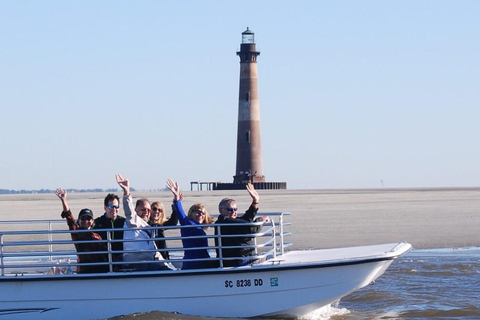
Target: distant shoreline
[
  {"x": 43, "y": 191},
  {"x": 321, "y": 218},
  {"x": 326, "y": 190}
]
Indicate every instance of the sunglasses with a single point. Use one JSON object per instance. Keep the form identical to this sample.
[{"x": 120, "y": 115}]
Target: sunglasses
[
  {"x": 231, "y": 209},
  {"x": 199, "y": 212},
  {"x": 111, "y": 206},
  {"x": 85, "y": 218}
]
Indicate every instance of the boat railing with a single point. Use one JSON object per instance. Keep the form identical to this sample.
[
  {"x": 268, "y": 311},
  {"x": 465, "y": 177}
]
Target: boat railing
[{"x": 47, "y": 248}]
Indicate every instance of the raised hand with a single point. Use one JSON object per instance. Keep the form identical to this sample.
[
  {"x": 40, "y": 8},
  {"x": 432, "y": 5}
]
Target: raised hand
[
  {"x": 253, "y": 193},
  {"x": 124, "y": 184},
  {"x": 62, "y": 194},
  {"x": 173, "y": 186}
]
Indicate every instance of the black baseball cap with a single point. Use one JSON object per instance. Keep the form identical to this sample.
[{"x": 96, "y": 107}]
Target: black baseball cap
[{"x": 85, "y": 212}]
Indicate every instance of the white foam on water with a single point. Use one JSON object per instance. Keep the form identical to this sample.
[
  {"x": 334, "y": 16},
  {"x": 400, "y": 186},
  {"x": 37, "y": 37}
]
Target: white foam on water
[
  {"x": 444, "y": 251},
  {"x": 326, "y": 312},
  {"x": 392, "y": 314}
]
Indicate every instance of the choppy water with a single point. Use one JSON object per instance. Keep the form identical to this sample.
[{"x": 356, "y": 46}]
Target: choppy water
[{"x": 424, "y": 284}]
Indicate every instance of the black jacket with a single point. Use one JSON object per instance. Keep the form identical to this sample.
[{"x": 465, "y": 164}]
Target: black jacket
[
  {"x": 104, "y": 222},
  {"x": 239, "y": 228},
  {"x": 159, "y": 233}
]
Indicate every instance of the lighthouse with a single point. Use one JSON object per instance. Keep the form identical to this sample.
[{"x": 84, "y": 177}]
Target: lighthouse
[{"x": 249, "y": 166}]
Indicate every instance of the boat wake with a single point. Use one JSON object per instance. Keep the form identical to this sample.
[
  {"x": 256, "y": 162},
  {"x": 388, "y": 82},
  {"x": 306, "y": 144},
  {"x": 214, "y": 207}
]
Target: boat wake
[{"x": 326, "y": 312}]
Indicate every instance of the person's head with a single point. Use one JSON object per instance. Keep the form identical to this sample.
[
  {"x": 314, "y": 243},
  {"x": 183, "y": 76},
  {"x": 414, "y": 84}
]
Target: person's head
[
  {"x": 85, "y": 219},
  {"x": 143, "y": 209},
  {"x": 199, "y": 214},
  {"x": 111, "y": 205},
  {"x": 228, "y": 208},
  {"x": 158, "y": 213}
]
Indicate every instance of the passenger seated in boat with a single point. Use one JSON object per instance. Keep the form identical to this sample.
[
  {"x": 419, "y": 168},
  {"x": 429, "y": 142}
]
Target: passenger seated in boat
[
  {"x": 197, "y": 215},
  {"x": 111, "y": 220},
  {"x": 85, "y": 222},
  {"x": 144, "y": 250},
  {"x": 228, "y": 214},
  {"x": 158, "y": 219}
]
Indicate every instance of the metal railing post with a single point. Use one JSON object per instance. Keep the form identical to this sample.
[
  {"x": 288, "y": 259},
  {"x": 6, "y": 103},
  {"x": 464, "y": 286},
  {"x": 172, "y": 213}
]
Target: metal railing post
[
  {"x": 50, "y": 239},
  {"x": 274, "y": 235},
  {"x": 219, "y": 250},
  {"x": 109, "y": 249},
  {"x": 2, "y": 266},
  {"x": 282, "y": 247}
]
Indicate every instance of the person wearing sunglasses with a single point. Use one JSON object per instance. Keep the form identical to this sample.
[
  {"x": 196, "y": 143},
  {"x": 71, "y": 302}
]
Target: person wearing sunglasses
[
  {"x": 197, "y": 217},
  {"x": 84, "y": 222},
  {"x": 158, "y": 219},
  {"x": 141, "y": 248},
  {"x": 229, "y": 214},
  {"x": 112, "y": 220}
]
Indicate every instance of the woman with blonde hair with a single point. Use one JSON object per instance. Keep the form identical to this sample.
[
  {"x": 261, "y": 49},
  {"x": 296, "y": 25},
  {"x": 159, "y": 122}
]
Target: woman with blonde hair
[
  {"x": 192, "y": 237},
  {"x": 158, "y": 219}
]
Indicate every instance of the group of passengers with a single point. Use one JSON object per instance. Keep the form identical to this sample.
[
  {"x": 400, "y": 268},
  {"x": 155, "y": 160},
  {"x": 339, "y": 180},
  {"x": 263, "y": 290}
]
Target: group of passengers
[{"x": 134, "y": 245}]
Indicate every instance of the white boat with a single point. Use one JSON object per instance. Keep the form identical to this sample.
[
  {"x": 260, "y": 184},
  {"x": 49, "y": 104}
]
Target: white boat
[{"x": 36, "y": 282}]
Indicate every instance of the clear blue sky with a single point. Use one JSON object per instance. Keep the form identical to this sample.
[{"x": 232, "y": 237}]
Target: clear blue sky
[{"x": 352, "y": 93}]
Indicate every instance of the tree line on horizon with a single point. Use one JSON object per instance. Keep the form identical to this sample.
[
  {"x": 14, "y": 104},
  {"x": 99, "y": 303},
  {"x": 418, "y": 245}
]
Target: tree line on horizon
[{"x": 6, "y": 191}]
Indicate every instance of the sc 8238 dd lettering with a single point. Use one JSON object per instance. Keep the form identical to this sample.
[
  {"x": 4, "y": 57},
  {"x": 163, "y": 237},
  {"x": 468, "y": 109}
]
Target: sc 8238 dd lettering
[{"x": 241, "y": 283}]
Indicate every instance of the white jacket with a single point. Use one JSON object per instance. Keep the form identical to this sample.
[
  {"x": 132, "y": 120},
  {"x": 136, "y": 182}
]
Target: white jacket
[{"x": 140, "y": 247}]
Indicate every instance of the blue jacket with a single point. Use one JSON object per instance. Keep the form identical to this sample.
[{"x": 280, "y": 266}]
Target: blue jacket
[{"x": 191, "y": 243}]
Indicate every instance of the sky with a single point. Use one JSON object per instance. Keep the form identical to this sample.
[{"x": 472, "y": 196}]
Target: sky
[{"x": 353, "y": 94}]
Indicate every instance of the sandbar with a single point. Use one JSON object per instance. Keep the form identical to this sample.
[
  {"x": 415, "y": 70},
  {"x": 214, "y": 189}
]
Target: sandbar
[{"x": 424, "y": 217}]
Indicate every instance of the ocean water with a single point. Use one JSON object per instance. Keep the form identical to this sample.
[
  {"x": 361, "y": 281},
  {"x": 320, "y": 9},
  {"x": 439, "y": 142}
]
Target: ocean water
[{"x": 423, "y": 284}]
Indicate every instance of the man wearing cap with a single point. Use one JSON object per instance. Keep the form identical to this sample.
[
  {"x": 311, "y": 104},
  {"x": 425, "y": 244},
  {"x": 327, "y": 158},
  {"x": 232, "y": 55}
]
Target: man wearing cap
[{"x": 85, "y": 222}]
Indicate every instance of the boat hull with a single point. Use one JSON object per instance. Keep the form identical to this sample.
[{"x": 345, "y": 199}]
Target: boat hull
[{"x": 301, "y": 282}]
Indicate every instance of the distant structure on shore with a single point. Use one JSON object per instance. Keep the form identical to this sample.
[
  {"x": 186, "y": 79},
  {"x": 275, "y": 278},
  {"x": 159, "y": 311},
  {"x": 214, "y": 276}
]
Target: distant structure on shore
[
  {"x": 249, "y": 167},
  {"x": 40, "y": 191}
]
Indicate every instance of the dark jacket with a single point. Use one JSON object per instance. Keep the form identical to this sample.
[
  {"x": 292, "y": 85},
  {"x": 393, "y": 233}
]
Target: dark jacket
[
  {"x": 87, "y": 247},
  {"x": 160, "y": 233},
  {"x": 104, "y": 222},
  {"x": 239, "y": 228}
]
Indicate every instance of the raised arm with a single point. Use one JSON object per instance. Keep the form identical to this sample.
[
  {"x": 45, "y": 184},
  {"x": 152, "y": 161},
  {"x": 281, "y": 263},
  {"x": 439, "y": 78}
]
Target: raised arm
[
  {"x": 133, "y": 220},
  {"x": 62, "y": 195},
  {"x": 173, "y": 186},
  {"x": 124, "y": 184},
  {"x": 66, "y": 213},
  {"x": 253, "y": 194}
]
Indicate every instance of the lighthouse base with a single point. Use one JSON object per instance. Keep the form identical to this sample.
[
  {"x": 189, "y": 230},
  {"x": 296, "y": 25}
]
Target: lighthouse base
[{"x": 257, "y": 185}]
